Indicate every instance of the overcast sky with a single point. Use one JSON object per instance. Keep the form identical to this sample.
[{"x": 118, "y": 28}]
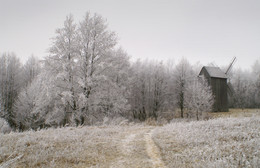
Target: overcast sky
[{"x": 200, "y": 30}]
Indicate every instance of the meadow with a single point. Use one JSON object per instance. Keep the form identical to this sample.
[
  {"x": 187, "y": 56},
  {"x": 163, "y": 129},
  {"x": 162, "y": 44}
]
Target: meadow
[{"x": 227, "y": 140}]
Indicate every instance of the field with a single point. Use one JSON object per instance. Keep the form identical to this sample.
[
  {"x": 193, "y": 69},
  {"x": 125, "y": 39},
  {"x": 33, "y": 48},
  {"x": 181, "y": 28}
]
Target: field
[
  {"x": 230, "y": 141},
  {"x": 222, "y": 142}
]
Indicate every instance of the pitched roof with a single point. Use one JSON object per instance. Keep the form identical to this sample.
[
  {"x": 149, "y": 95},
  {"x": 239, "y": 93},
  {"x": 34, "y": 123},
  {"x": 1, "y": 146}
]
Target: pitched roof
[{"x": 215, "y": 72}]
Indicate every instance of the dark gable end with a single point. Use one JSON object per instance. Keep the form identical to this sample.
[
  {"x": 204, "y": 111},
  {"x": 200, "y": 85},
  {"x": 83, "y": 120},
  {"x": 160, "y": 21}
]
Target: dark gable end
[{"x": 218, "y": 81}]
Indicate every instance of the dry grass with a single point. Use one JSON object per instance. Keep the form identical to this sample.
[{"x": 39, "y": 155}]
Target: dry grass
[
  {"x": 222, "y": 142},
  {"x": 236, "y": 113},
  {"x": 64, "y": 147},
  {"x": 169, "y": 115},
  {"x": 230, "y": 141},
  {"x": 103, "y": 146}
]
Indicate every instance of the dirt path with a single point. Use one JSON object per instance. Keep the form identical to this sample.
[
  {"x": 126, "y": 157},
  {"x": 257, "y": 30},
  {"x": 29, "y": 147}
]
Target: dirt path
[
  {"x": 138, "y": 150},
  {"x": 153, "y": 151}
]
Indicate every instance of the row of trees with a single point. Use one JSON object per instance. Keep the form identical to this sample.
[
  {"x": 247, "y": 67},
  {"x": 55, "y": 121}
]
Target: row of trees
[
  {"x": 246, "y": 85},
  {"x": 13, "y": 77},
  {"x": 86, "y": 78}
]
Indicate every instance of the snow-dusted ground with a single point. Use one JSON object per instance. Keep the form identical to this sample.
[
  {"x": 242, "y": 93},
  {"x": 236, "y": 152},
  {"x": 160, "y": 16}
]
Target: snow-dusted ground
[{"x": 228, "y": 142}]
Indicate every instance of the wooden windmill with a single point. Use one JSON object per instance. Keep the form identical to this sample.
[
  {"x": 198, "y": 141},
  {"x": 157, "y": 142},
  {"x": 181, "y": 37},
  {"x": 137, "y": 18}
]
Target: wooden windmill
[{"x": 218, "y": 80}]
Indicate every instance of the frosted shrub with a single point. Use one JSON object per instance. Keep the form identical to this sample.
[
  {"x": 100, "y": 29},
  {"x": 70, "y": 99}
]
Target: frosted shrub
[
  {"x": 4, "y": 127},
  {"x": 198, "y": 98}
]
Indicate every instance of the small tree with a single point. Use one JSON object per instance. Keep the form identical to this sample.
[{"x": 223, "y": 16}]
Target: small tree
[
  {"x": 198, "y": 98},
  {"x": 36, "y": 103}
]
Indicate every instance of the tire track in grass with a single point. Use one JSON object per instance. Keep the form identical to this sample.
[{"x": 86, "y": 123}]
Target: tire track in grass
[
  {"x": 153, "y": 151},
  {"x": 133, "y": 150}
]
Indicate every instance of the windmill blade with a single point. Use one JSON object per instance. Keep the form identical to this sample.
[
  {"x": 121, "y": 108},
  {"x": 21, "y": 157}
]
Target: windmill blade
[{"x": 230, "y": 65}]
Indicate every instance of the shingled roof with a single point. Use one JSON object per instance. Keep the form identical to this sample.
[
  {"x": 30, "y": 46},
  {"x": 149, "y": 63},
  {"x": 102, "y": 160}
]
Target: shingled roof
[{"x": 215, "y": 72}]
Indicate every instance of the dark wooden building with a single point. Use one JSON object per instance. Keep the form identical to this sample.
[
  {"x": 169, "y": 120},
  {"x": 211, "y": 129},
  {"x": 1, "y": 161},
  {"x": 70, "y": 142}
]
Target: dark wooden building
[{"x": 218, "y": 81}]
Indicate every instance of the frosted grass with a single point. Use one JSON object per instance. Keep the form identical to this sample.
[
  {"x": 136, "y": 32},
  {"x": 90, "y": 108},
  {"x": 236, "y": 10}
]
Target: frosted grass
[{"x": 223, "y": 142}]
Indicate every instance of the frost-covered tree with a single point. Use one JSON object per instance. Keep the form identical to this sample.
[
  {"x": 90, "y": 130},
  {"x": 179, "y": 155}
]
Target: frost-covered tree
[
  {"x": 148, "y": 89},
  {"x": 62, "y": 64},
  {"x": 115, "y": 69},
  {"x": 39, "y": 104},
  {"x": 10, "y": 84},
  {"x": 182, "y": 74},
  {"x": 256, "y": 81},
  {"x": 24, "y": 106},
  {"x": 169, "y": 88},
  {"x": 88, "y": 74},
  {"x": 108, "y": 93},
  {"x": 138, "y": 90},
  {"x": 198, "y": 98},
  {"x": 31, "y": 69},
  {"x": 244, "y": 89},
  {"x": 157, "y": 88},
  {"x": 95, "y": 43}
]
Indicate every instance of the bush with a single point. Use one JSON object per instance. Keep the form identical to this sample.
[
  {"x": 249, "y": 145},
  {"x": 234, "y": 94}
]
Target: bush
[{"x": 4, "y": 127}]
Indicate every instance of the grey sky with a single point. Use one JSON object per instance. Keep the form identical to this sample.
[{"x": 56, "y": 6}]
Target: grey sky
[{"x": 200, "y": 30}]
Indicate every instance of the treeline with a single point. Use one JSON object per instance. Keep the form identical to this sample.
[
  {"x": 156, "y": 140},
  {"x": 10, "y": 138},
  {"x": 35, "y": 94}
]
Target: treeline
[
  {"x": 13, "y": 78},
  {"x": 86, "y": 78}
]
